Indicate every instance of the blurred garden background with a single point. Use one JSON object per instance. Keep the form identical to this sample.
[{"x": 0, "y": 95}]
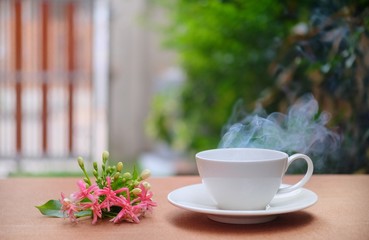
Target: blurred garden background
[
  {"x": 161, "y": 80},
  {"x": 268, "y": 54}
]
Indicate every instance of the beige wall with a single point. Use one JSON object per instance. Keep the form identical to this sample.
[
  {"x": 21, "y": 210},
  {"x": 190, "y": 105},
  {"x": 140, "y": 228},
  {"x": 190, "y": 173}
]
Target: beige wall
[{"x": 136, "y": 62}]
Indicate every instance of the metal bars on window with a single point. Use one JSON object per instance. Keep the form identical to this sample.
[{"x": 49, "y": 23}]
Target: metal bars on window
[{"x": 47, "y": 77}]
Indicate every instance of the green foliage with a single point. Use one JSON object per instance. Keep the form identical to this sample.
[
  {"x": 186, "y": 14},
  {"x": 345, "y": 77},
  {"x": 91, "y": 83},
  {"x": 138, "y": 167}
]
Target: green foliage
[
  {"x": 51, "y": 208},
  {"x": 331, "y": 60},
  {"x": 225, "y": 48},
  {"x": 270, "y": 53}
]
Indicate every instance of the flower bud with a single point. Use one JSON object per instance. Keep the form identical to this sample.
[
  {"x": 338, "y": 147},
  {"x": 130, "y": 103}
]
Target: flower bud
[
  {"x": 105, "y": 156},
  {"x": 135, "y": 183},
  {"x": 80, "y": 162},
  {"x": 95, "y": 174},
  {"x": 86, "y": 180},
  {"x": 127, "y": 175},
  {"x": 136, "y": 191},
  {"x": 119, "y": 167},
  {"x": 116, "y": 176},
  {"x": 146, "y": 185},
  {"x": 145, "y": 174},
  {"x": 95, "y": 165}
]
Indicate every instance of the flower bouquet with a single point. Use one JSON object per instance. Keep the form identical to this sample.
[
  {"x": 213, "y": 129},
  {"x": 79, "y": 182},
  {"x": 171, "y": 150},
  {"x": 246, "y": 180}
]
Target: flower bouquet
[{"x": 116, "y": 195}]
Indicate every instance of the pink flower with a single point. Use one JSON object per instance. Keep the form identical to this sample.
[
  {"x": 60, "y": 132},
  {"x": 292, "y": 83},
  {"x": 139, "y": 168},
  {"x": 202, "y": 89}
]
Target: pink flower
[
  {"x": 73, "y": 204},
  {"x": 94, "y": 207},
  {"x": 97, "y": 200},
  {"x": 145, "y": 202},
  {"x": 69, "y": 207},
  {"x": 126, "y": 213},
  {"x": 85, "y": 192},
  {"x": 111, "y": 196}
]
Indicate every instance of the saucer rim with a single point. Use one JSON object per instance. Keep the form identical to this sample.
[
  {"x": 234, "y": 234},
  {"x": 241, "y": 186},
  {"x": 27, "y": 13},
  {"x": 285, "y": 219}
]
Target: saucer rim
[{"x": 222, "y": 212}]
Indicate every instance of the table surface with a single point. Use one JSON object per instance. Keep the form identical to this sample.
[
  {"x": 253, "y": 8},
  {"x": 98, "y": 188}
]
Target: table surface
[{"x": 342, "y": 212}]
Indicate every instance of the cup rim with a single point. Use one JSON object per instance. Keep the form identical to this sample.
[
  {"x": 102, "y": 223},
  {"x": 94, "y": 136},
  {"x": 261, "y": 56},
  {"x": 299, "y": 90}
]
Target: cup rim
[{"x": 200, "y": 155}]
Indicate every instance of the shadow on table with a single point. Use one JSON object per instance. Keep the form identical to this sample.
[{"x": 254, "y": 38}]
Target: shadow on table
[{"x": 200, "y": 222}]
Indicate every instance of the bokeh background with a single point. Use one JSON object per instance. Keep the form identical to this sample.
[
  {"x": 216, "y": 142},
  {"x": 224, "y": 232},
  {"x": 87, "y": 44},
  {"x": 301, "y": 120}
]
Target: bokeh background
[{"x": 154, "y": 82}]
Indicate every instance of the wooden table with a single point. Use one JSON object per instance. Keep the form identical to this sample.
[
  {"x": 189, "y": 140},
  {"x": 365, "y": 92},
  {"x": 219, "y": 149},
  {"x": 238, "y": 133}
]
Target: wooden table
[{"x": 342, "y": 212}]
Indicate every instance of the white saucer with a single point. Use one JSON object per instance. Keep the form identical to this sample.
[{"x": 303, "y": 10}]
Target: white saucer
[{"x": 195, "y": 198}]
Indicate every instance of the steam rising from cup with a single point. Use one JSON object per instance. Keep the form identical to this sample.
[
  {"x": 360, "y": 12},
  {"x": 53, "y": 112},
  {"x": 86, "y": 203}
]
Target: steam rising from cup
[{"x": 301, "y": 130}]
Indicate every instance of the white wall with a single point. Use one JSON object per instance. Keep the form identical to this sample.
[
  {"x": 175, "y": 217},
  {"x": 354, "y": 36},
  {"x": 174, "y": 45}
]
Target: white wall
[{"x": 136, "y": 64}]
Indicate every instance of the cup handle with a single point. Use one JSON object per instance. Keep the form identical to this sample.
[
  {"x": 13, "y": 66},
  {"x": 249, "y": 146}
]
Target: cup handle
[{"x": 305, "y": 179}]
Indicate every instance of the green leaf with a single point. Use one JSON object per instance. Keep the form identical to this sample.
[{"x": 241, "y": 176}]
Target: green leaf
[
  {"x": 83, "y": 213},
  {"x": 135, "y": 172},
  {"x": 51, "y": 208}
]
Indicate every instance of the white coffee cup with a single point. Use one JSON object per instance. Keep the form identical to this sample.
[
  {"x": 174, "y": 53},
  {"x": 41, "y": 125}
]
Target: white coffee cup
[{"x": 247, "y": 178}]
